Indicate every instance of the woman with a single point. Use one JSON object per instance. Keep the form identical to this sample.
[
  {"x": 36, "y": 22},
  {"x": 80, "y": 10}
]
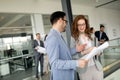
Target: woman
[
  {"x": 81, "y": 34},
  {"x": 92, "y": 31}
]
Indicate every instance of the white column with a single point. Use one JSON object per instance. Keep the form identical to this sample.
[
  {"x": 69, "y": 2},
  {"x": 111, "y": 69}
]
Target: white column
[{"x": 37, "y": 24}]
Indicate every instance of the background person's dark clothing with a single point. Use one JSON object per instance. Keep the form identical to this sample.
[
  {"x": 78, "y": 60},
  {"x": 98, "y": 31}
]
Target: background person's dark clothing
[
  {"x": 103, "y": 36},
  {"x": 38, "y": 57},
  {"x": 100, "y": 36}
]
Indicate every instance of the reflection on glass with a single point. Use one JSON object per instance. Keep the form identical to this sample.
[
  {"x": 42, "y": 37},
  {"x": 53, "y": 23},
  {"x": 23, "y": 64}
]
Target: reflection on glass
[
  {"x": 111, "y": 54},
  {"x": 16, "y": 39},
  {"x": 23, "y": 39},
  {"x": 7, "y": 40},
  {"x": 8, "y": 46},
  {"x": 16, "y": 44}
]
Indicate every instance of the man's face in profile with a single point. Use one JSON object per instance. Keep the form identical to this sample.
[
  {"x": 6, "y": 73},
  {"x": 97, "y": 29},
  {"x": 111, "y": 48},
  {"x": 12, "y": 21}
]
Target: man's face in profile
[{"x": 64, "y": 24}]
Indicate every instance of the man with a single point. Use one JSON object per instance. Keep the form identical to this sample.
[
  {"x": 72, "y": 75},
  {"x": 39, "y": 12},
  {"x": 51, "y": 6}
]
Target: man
[
  {"x": 102, "y": 37},
  {"x": 60, "y": 56},
  {"x": 38, "y": 56}
]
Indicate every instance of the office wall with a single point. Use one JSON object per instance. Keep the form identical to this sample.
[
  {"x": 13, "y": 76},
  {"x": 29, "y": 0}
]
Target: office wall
[
  {"x": 110, "y": 18},
  {"x": 30, "y": 6}
]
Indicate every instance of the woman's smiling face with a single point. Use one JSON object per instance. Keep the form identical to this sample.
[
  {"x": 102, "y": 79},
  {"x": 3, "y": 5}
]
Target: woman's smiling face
[{"x": 81, "y": 25}]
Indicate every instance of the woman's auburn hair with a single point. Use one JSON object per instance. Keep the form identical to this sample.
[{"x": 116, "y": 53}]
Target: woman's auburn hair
[{"x": 75, "y": 32}]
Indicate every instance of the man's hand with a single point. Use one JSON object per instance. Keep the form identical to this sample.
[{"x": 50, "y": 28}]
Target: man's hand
[
  {"x": 101, "y": 41},
  {"x": 36, "y": 48},
  {"x": 80, "y": 48},
  {"x": 82, "y": 63}
]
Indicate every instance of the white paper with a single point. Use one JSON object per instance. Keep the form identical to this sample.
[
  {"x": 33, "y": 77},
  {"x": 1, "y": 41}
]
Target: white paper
[
  {"x": 95, "y": 51},
  {"x": 41, "y": 50}
]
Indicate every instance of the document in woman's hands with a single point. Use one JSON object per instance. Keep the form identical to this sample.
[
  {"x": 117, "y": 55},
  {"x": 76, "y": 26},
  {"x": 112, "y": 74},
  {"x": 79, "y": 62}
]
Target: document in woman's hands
[{"x": 95, "y": 51}]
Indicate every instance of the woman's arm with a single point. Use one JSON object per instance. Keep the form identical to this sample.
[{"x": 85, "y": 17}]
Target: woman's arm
[{"x": 87, "y": 51}]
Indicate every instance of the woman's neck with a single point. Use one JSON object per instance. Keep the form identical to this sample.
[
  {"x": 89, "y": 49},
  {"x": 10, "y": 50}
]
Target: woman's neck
[{"x": 82, "y": 32}]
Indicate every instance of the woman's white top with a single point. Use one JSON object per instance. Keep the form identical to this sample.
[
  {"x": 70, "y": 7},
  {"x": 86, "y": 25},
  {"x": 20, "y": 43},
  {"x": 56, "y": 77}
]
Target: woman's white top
[{"x": 89, "y": 43}]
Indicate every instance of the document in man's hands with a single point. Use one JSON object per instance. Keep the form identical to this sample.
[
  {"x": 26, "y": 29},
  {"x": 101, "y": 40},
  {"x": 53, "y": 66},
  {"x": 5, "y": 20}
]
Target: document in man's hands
[
  {"x": 41, "y": 49},
  {"x": 95, "y": 51}
]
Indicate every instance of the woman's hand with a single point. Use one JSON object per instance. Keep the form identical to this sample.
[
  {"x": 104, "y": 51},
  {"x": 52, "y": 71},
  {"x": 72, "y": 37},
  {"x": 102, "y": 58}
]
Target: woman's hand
[
  {"x": 87, "y": 51},
  {"x": 80, "y": 48}
]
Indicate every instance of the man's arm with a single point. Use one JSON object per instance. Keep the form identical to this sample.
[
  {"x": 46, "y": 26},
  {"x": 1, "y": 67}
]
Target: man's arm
[
  {"x": 34, "y": 45},
  {"x": 42, "y": 43},
  {"x": 106, "y": 37},
  {"x": 73, "y": 51},
  {"x": 72, "y": 46},
  {"x": 52, "y": 48}
]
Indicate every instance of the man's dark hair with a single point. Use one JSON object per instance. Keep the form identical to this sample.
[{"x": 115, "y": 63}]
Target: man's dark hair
[
  {"x": 56, "y": 16},
  {"x": 101, "y": 26},
  {"x": 91, "y": 29},
  {"x": 37, "y": 34}
]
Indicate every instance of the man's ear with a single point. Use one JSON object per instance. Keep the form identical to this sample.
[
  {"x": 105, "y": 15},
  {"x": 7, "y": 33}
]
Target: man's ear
[{"x": 59, "y": 20}]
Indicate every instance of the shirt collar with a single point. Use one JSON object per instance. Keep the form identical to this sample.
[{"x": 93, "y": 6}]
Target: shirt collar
[
  {"x": 37, "y": 40},
  {"x": 57, "y": 31}
]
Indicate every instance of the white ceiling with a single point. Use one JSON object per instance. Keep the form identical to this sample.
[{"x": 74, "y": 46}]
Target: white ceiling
[{"x": 111, "y": 4}]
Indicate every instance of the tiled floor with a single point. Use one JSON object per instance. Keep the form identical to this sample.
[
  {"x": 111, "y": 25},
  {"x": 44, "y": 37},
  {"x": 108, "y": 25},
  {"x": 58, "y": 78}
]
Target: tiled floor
[
  {"x": 114, "y": 76},
  {"x": 29, "y": 75},
  {"x": 24, "y": 75},
  {"x": 45, "y": 77}
]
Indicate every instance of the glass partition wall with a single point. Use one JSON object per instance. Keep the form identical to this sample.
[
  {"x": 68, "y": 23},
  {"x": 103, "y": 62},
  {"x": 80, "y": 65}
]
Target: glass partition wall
[
  {"x": 112, "y": 53},
  {"x": 15, "y": 42},
  {"x": 15, "y": 33},
  {"x": 111, "y": 57}
]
